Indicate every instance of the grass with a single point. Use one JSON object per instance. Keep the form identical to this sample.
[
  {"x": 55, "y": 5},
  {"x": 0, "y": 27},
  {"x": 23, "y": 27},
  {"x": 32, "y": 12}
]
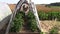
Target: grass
[{"x": 55, "y": 6}]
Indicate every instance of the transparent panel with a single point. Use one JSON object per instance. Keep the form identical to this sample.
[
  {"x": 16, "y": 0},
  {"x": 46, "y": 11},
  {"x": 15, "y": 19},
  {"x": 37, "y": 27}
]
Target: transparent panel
[{"x": 4, "y": 11}]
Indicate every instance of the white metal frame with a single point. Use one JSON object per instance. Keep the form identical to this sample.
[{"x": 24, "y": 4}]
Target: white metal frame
[{"x": 32, "y": 7}]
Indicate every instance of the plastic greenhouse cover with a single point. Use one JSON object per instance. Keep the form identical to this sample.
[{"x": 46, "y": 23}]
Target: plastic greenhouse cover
[{"x": 4, "y": 11}]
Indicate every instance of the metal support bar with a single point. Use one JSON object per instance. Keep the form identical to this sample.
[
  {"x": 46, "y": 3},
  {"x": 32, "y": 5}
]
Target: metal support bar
[
  {"x": 13, "y": 15},
  {"x": 34, "y": 10}
]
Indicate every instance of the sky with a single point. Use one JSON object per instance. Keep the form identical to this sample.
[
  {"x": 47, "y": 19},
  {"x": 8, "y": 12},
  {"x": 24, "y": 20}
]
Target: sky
[{"x": 35, "y": 1}]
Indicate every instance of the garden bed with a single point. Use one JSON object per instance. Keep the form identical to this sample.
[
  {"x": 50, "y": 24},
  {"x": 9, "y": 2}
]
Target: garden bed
[{"x": 46, "y": 26}]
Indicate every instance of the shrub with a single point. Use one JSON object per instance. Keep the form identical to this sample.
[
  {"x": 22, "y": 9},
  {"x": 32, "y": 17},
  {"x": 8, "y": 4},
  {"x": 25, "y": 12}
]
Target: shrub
[
  {"x": 30, "y": 15},
  {"x": 54, "y": 30},
  {"x": 43, "y": 15},
  {"x": 52, "y": 15},
  {"x": 17, "y": 22},
  {"x": 33, "y": 25},
  {"x": 32, "y": 21},
  {"x": 58, "y": 16},
  {"x": 41, "y": 33}
]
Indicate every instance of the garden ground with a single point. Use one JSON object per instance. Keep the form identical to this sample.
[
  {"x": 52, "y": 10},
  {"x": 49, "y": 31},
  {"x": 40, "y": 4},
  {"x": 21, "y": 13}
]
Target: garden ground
[{"x": 47, "y": 25}]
